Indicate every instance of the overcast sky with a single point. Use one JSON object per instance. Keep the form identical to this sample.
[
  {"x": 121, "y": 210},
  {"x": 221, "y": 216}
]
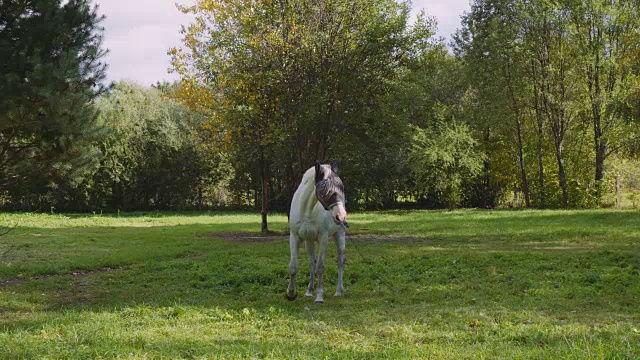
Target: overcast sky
[{"x": 138, "y": 33}]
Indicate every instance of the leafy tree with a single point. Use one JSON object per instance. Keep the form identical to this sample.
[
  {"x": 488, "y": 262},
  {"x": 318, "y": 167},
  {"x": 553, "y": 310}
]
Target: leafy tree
[
  {"x": 557, "y": 70},
  {"x": 442, "y": 158},
  {"x": 429, "y": 95},
  {"x": 152, "y": 157},
  {"x": 289, "y": 82},
  {"x": 603, "y": 31},
  {"x": 488, "y": 44},
  {"x": 240, "y": 55}
]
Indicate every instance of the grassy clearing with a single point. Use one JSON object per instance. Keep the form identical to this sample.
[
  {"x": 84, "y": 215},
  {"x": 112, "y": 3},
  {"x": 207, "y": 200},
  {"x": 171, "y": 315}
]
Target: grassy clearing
[{"x": 479, "y": 284}]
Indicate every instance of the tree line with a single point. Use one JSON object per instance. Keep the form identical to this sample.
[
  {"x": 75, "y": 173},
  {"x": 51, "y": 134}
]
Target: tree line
[
  {"x": 559, "y": 81},
  {"x": 532, "y": 104}
]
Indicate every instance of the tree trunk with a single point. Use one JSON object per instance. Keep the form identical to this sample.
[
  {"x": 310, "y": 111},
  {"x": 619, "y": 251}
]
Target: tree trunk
[
  {"x": 618, "y": 192},
  {"x": 264, "y": 174},
  {"x": 516, "y": 113},
  {"x": 558, "y": 118},
  {"x": 523, "y": 170},
  {"x": 562, "y": 176},
  {"x": 595, "y": 93},
  {"x": 540, "y": 122},
  {"x": 600, "y": 144},
  {"x": 489, "y": 198},
  {"x": 542, "y": 198},
  {"x": 601, "y": 149}
]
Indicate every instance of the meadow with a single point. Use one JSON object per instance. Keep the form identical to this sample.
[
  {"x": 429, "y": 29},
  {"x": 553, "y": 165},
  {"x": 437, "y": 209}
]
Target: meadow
[{"x": 468, "y": 284}]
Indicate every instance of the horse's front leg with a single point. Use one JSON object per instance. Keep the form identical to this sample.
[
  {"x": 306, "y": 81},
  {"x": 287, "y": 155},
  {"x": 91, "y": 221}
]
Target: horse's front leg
[
  {"x": 324, "y": 240},
  {"x": 293, "y": 267},
  {"x": 340, "y": 244},
  {"x": 311, "y": 250}
]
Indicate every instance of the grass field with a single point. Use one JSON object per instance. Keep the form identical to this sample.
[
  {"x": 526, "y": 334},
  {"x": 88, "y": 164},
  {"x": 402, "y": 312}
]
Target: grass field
[{"x": 441, "y": 285}]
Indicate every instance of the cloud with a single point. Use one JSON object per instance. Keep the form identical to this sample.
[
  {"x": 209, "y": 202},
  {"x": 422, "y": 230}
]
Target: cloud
[
  {"x": 448, "y": 13},
  {"x": 138, "y": 34}
]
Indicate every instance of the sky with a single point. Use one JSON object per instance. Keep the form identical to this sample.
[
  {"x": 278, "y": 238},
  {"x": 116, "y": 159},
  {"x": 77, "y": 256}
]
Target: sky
[{"x": 138, "y": 34}]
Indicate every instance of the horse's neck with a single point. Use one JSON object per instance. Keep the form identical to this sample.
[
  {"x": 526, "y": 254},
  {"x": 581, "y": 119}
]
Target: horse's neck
[{"x": 309, "y": 199}]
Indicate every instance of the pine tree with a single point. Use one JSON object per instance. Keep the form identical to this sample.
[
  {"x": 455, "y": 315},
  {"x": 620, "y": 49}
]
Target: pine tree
[{"x": 50, "y": 71}]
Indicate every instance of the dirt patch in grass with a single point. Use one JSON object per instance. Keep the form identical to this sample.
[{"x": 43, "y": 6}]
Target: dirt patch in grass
[
  {"x": 246, "y": 237},
  {"x": 190, "y": 256},
  {"x": 377, "y": 238},
  {"x": 72, "y": 275}
]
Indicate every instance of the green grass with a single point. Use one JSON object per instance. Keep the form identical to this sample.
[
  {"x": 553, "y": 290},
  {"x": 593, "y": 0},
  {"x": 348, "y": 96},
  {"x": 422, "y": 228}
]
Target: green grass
[{"x": 477, "y": 285}]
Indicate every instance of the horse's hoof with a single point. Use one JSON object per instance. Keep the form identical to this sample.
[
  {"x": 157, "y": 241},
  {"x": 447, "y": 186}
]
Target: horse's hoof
[
  {"x": 319, "y": 301},
  {"x": 291, "y": 298},
  {"x": 338, "y": 294},
  {"x": 309, "y": 294}
]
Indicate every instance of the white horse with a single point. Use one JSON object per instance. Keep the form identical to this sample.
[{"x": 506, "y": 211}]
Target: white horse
[{"x": 317, "y": 212}]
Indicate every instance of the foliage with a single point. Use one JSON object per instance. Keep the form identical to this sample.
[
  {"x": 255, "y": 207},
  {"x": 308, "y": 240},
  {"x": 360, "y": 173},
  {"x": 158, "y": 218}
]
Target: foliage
[
  {"x": 442, "y": 158},
  {"x": 153, "y": 156},
  {"x": 290, "y": 82},
  {"x": 49, "y": 73},
  {"x": 150, "y": 154},
  {"x": 419, "y": 284},
  {"x": 537, "y": 107},
  {"x": 551, "y": 78}
]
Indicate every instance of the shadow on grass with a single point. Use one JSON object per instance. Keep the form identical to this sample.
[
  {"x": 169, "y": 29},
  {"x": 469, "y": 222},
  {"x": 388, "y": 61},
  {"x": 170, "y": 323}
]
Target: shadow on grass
[{"x": 619, "y": 228}]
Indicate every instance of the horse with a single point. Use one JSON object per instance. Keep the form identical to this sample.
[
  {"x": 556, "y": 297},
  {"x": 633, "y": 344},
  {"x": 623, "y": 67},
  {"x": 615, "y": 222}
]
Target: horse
[{"x": 317, "y": 212}]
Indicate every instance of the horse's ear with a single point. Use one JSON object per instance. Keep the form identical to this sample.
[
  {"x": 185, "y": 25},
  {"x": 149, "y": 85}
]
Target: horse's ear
[
  {"x": 319, "y": 173},
  {"x": 335, "y": 166}
]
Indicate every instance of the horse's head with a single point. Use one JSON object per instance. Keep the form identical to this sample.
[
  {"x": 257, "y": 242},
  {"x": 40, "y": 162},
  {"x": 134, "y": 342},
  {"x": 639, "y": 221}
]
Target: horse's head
[{"x": 330, "y": 191}]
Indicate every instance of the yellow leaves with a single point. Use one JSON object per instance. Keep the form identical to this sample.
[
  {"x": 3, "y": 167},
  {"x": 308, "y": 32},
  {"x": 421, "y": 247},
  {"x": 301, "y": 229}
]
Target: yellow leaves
[
  {"x": 228, "y": 138},
  {"x": 221, "y": 9},
  {"x": 185, "y": 9},
  {"x": 209, "y": 5},
  {"x": 196, "y": 97},
  {"x": 229, "y": 68},
  {"x": 474, "y": 323},
  {"x": 173, "y": 51},
  {"x": 179, "y": 61}
]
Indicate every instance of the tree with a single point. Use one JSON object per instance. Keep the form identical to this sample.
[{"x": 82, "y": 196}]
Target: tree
[
  {"x": 442, "y": 158},
  {"x": 50, "y": 72},
  {"x": 427, "y": 98},
  {"x": 490, "y": 47},
  {"x": 551, "y": 68},
  {"x": 604, "y": 34},
  {"x": 291, "y": 82},
  {"x": 153, "y": 155},
  {"x": 240, "y": 56}
]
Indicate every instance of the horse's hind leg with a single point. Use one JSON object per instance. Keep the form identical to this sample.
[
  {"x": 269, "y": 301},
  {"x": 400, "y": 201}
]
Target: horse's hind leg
[
  {"x": 311, "y": 250},
  {"x": 340, "y": 244},
  {"x": 324, "y": 239},
  {"x": 293, "y": 267}
]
